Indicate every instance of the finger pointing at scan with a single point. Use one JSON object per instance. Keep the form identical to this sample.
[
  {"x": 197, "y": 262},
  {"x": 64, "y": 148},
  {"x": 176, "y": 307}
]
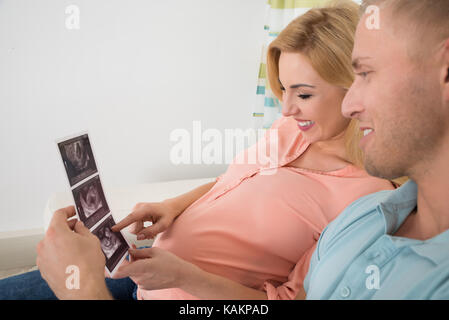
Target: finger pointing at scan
[{"x": 135, "y": 216}]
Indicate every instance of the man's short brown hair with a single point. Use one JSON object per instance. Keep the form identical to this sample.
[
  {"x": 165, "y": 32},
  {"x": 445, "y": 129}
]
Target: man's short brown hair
[{"x": 425, "y": 21}]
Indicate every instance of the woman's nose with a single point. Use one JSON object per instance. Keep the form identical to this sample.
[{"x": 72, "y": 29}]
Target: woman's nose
[{"x": 289, "y": 108}]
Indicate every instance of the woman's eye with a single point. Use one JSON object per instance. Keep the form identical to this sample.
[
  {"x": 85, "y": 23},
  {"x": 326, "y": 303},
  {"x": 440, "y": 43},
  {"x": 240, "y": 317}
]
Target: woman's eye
[{"x": 305, "y": 96}]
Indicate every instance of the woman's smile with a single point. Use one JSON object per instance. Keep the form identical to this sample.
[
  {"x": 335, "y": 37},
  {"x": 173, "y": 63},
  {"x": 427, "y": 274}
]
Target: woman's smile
[{"x": 305, "y": 125}]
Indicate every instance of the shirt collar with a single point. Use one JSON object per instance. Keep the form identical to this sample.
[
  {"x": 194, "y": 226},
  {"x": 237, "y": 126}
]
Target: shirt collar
[
  {"x": 396, "y": 208},
  {"x": 398, "y": 205}
]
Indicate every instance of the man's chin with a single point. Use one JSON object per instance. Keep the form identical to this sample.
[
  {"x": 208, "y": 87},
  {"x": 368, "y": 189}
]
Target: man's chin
[{"x": 383, "y": 170}]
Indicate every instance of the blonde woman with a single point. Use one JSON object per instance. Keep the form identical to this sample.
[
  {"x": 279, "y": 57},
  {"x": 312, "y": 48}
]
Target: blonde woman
[{"x": 250, "y": 234}]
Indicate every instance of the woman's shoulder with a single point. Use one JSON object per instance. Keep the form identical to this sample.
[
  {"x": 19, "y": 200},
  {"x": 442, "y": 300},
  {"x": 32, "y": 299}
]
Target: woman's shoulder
[
  {"x": 285, "y": 123},
  {"x": 286, "y": 140}
]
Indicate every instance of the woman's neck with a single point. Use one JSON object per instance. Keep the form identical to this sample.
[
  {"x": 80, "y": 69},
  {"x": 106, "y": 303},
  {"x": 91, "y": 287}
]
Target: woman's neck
[
  {"x": 329, "y": 155},
  {"x": 335, "y": 146}
]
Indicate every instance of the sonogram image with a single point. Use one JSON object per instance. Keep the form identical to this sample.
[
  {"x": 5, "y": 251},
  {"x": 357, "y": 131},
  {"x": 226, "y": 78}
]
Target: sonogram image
[
  {"x": 90, "y": 201},
  {"x": 78, "y": 158},
  {"x": 109, "y": 241},
  {"x": 113, "y": 244},
  {"x": 77, "y": 155}
]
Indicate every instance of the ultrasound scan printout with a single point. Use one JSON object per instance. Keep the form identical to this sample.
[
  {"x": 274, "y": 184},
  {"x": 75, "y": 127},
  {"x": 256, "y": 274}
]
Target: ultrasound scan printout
[{"x": 90, "y": 201}]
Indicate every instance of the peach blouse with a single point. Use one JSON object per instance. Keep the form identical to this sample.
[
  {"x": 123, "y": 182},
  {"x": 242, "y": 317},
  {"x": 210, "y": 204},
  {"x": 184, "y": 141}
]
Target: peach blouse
[{"x": 260, "y": 222}]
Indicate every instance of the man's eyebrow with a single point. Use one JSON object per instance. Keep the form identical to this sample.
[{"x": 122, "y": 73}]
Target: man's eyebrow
[
  {"x": 356, "y": 62},
  {"x": 294, "y": 86}
]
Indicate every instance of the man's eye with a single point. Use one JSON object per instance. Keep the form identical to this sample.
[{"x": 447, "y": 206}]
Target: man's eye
[
  {"x": 305, "y": 96},
  {"x": 363, "y": 74}
]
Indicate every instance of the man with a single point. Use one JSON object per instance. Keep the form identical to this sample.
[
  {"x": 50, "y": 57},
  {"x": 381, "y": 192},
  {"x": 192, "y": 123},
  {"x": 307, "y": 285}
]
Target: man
[
  {"x": 391, "y": 244},
  {"x": 395, "y": 244}
]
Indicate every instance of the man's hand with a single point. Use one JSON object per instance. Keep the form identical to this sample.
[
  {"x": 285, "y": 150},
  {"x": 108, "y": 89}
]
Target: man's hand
[
  {"x": 156, "y": 268},
  {"x": 70, "y": 243}
]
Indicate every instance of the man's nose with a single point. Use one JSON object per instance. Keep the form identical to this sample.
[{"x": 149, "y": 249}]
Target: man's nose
[{"x": 351, "y": 106}]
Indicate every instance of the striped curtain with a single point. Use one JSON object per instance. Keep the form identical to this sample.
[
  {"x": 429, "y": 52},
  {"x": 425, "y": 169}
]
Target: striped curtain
[{"x": 279, "y": 13}]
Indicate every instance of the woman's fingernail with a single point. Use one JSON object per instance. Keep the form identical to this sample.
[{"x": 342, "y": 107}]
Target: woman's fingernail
[{"x": 140, "y": 237}]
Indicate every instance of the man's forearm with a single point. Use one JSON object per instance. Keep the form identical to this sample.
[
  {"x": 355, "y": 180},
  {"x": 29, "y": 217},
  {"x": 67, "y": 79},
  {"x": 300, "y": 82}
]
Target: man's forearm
[
  {"x": 206, "y": 285},
  {"x": 89, "y": 290}
]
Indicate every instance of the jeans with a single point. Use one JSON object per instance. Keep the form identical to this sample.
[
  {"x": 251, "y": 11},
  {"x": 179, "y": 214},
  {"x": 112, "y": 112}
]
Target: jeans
[{"x": 31, "y": 286}]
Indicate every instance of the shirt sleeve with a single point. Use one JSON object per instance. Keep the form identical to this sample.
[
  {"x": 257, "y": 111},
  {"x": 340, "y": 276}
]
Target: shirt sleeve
[
  {"x": 289, "y": 289},
  {"x": 315, "y": 258}
]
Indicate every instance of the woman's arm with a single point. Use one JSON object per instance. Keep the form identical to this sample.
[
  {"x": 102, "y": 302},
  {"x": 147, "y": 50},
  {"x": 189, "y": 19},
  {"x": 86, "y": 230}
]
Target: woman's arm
[
  {"x": 155, "y": 268},
  {"x": 209, "y": 286},
  {"x": 161, "y": 214},
  {"x": 182, "y": 202}
]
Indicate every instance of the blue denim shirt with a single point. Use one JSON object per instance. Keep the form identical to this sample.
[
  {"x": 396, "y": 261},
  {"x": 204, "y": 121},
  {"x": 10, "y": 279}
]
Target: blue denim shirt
[{"x": 358, "y": 258}]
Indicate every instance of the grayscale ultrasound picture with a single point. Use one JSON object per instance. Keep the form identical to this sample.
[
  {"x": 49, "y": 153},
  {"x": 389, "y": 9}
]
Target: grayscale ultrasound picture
[
  {"x": 113, "y": 244},
  {"x": 90, "y": 202},
  {"x": 78, "y": 158}
]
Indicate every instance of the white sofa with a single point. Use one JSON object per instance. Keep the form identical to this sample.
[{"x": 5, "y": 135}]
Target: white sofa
[{"x": 22, "y": 256}]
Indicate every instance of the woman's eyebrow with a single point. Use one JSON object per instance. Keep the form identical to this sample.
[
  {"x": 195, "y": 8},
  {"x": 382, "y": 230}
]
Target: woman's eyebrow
[
  {"x": 294, "y": 86},
  {"x": 301, "y": 85}
]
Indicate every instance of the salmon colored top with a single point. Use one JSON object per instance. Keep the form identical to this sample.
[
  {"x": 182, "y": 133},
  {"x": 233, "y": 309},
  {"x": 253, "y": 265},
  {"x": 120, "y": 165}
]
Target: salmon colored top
[{"x": 260, "y": 222}]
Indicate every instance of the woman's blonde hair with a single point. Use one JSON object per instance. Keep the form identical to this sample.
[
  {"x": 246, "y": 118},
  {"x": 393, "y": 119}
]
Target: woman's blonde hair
[{"x": 326, "y": 37}]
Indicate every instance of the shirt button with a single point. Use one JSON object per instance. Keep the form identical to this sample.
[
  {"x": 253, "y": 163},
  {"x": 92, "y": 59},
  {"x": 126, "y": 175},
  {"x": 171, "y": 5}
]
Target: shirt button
[{"x": 345, "y": 292}]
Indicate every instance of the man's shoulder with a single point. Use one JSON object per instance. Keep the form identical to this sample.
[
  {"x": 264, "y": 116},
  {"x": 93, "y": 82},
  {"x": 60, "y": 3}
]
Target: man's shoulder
[
  {"x": 357, "y": 211},
  {"x": 363, "y": 206}
]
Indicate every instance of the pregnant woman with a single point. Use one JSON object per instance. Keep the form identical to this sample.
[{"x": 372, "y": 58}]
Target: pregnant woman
[{"x": 250, "y": 234}]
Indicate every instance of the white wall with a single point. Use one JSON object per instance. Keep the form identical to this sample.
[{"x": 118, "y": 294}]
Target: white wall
[{"x": 132, "y": 73}]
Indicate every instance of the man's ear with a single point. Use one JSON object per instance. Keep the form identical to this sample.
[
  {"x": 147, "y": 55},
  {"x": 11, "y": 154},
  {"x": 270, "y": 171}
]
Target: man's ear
[{"x": 445, "y": 72}]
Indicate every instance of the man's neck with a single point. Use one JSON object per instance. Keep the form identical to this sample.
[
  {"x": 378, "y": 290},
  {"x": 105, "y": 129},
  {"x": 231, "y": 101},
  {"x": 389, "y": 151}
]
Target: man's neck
[{"x": 432, "y": 216}]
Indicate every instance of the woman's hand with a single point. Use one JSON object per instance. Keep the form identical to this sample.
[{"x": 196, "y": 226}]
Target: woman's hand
[
  {"x": 156, "y": 268},
  {"x": 161, "y": 214}
]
